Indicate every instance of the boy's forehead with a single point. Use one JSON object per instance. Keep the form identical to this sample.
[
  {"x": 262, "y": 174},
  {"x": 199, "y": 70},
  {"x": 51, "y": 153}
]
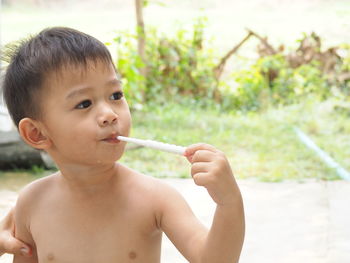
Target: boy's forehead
[{"x": 72, "y": 74}]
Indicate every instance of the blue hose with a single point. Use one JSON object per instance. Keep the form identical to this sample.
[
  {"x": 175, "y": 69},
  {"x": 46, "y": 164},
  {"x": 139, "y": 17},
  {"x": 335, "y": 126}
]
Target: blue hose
[{"x": 323, "y": 155}]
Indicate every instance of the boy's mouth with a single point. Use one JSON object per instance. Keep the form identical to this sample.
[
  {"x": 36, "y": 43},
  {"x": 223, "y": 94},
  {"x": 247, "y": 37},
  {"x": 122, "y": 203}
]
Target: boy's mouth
[{"x": 111, "y": 139}]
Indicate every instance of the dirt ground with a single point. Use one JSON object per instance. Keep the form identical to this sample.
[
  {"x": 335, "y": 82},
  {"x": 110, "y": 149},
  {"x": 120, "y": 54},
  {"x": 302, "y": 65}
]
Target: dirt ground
[{"x": 286, "y": 222}]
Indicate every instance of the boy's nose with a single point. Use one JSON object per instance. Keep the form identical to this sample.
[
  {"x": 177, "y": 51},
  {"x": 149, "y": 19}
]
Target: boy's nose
[{"x": 107, "y": 116}]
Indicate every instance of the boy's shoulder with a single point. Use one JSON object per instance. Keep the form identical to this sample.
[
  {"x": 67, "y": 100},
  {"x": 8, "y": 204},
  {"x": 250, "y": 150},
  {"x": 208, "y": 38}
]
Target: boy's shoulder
[
  {"x": 158, "y": 191},
  {"x": 147, "y": 183},
  {"x": 35, "y": 190},
  {"x": 39, "y": 184}
]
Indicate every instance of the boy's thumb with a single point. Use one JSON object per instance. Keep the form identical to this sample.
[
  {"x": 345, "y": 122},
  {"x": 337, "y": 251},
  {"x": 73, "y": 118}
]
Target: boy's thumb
[{"x": 14, "y": 246}]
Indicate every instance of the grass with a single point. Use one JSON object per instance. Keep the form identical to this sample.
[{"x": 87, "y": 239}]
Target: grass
[
  {"x": 258, "y": 145},
  {"x": 329, "y": 127},
  {"x": 15, "y": 179}
]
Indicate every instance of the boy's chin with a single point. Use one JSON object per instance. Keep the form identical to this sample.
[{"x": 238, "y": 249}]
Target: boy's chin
[{"x": 110, "y": 159}]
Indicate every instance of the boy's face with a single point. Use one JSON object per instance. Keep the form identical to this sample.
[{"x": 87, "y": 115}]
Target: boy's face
[{"x": 83, "y": 112}]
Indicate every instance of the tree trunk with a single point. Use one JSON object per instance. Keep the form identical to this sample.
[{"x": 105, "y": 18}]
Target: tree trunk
[{"x": 141, "y": 36}]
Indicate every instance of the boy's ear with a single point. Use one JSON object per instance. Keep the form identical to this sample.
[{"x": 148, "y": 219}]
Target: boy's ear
[{"x": 32, "y": 133}]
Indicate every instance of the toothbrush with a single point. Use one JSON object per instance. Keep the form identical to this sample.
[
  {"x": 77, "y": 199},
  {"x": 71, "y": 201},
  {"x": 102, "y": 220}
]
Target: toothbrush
[{"x": 155, "y": 145}]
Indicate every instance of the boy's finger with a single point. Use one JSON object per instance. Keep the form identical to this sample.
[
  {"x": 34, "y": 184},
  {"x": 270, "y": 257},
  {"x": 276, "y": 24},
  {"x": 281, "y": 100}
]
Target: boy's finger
[
  {"x": 190, "y": 150},
  {"x": 202, "y": 156},
  {"x": 14, "y": 246},
  {"x": 202, "y": 179},
  {"x": 199, "y": 168}
]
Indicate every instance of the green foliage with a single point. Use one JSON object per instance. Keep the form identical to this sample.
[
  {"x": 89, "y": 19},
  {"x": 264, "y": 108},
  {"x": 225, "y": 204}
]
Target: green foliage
[
  {"x": 291, "y": 85},
  {"x": 345, "y": 48},
  {"x": 272, "y": 81},
  {"x": 37, "y": 170},
  {"x": 258, "y": 145},
  {"x": 176, "y": 65},
  {"x": 344, "y": 71},
  {"x": 148, "y": 2},
  {"x": 128, "y": 65},
  {"x": 180, "y": 68}
]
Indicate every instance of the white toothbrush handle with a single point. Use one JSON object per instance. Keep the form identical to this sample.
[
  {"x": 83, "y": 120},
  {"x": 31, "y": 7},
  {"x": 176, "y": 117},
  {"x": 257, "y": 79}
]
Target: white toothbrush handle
[{"x": 155, "y": 145}]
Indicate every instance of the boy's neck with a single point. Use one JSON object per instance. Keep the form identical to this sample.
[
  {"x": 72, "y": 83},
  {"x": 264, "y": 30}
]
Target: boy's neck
[{"x": 87, "y": 178}]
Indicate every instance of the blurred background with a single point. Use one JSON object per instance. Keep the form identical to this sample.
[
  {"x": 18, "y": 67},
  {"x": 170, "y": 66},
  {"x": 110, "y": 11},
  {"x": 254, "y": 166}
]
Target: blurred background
[
  {"x": 244, "y": 76},
  {"x": 237, "y": 74}
]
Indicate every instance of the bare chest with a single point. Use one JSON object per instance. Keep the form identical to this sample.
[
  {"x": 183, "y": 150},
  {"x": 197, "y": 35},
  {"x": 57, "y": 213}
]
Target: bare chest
[{"x": 96, "y": 233}]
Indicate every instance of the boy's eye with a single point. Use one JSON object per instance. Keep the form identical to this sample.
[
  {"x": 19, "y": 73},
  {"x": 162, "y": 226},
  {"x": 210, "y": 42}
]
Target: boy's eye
[
  {"x": 84, "y": 104},
  {"x": 116, "y": 95}
]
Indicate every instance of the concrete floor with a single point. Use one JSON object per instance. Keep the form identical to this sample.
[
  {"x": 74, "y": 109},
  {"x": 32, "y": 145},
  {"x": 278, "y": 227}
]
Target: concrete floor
[{"x": 286, "y": 222}]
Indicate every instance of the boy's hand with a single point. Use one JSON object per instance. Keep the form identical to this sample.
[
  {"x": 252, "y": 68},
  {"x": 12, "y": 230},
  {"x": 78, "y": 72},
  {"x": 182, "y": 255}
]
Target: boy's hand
[
  {"x": 8, "y": 243},
  {"x": 211, "y": 169}
]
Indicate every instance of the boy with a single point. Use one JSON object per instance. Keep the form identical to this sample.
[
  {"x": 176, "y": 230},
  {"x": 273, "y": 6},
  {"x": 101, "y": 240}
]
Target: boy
[{"x": 62, "y": 92}]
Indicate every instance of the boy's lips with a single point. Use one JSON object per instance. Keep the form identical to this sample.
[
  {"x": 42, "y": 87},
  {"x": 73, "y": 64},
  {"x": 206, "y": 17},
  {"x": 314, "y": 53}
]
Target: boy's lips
[{"x": 111, "y": 139}]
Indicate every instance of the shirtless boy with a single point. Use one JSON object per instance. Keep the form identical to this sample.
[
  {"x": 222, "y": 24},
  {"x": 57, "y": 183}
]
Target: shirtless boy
[{"x": 63, "y": 93}]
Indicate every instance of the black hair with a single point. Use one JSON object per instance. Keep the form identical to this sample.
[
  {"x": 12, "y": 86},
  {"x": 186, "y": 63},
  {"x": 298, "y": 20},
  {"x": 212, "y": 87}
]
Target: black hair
[{"x": 37, "y": 57}]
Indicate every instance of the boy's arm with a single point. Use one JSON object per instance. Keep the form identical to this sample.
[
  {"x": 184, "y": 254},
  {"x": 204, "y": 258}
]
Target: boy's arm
[
  {"x": 21, "y": 218},
  {"x": 211, "y": 169},
  {"x": 223, "y": 243}
]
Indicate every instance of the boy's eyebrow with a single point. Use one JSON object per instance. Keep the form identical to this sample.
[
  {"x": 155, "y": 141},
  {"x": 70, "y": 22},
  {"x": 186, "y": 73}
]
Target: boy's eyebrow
[
  {"x": 114, "y": 82},
  {"x": 83, "y": 90},
  {"x": 77, "y": 92}
]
